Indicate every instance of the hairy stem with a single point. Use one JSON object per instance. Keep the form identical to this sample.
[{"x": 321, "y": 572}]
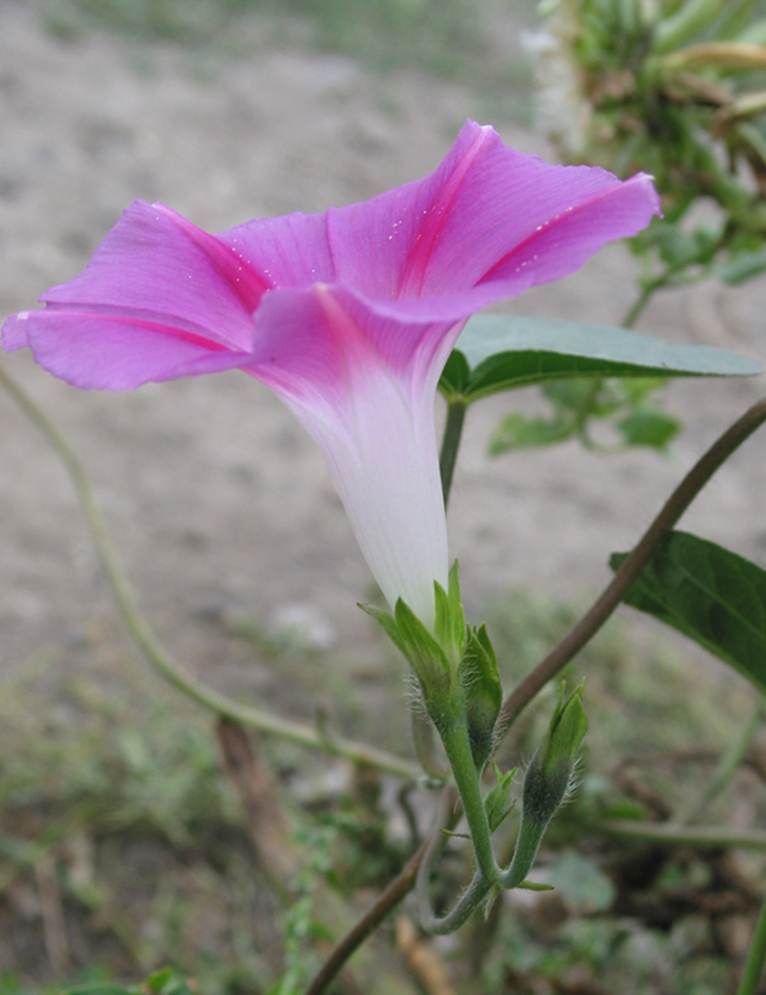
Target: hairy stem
[
  {"x": 138, "y": 627},
  {"x": 613, "y": 594},
  {"x": 466, "y": 905},
  {"x": 458, "y": 748},
  {"x": 528, "y": 843}
]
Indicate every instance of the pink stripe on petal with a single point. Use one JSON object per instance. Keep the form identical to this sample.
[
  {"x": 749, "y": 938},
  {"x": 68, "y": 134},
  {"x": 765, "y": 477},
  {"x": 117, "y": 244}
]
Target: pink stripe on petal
[
  {"x": 295, "y": 352},
  {"x": 292, "y": 251},
  {"x": 372, "y": 242},
  {"x": 227, "y": 260},
  {"x": 414, "y": 273},
  {"x": 564, "y": 243},
  {"x": 116, "y": 353},
  {"x": 148, "y": 264},
  {"x": 307, "y": 341},
  {"x": 402, "y": 341}
]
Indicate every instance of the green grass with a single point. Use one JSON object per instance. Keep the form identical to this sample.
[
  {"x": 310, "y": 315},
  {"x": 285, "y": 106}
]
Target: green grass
[{"x": 111, "y": 787}]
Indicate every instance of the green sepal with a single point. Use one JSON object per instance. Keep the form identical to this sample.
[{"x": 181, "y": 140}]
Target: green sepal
[
  {"x": 550, "y": 771},
  {"x": 413, "y": 641},
  {"x": 548, "y": 777},
  {"x": 568, "y": 727},
  {"x": 388, "y": 622},
  {"x": 480, "y": 678},
  {"x": 450, "y": 627},
  {"x": 429, "y": 662},
  {"x": 498, "y": 801}
]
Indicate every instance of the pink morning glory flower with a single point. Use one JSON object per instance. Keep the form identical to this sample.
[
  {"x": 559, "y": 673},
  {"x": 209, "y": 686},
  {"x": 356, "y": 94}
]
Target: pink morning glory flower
[{"x": 349, "y": 316}]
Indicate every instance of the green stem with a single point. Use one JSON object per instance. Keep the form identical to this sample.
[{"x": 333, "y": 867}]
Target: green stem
[
  {"x": 137, "y": 626},
  {"x": 639, "y": 304},
  {"x": 728, "y": 765},
  {"x": 466, "y": 905},
  {"x": 447, "y": 816},
  {"x": 674, "y": 834},
  {"x": 751, "y": 976},
  {"x": 453, "y": 430},
  {"x": 648, "y": 291},
  {"x": 458, "y": 747},
  {"x": 530, "y": 837}
]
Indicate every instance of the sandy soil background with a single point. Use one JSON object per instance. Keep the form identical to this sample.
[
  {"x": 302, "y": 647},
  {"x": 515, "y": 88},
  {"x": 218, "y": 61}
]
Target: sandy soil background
[{"x": 217, "y": 500}]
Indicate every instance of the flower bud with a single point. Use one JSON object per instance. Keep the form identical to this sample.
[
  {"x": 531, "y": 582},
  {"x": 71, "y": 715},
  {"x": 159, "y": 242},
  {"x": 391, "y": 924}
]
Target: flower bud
[
  {"x": 548, "y": 777},
  {"x": 480, "y": 679},
  {"x": 550, "y": 772}
]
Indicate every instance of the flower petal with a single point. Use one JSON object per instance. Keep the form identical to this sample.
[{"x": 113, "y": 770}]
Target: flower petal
[
  {"x": 113, "y": 352},
  {"x": 156, "y": 265},
  {"x": 446, "y": 233},
  {"x": 373, "y": 422},
  {"x": 348, "y": 316},
  {"x": 292, "y": 251}
]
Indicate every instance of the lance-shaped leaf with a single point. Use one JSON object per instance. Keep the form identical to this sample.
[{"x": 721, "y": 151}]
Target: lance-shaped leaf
[
  {"x": 712, "y": 595},
  {"x": 501, "y": 352}
]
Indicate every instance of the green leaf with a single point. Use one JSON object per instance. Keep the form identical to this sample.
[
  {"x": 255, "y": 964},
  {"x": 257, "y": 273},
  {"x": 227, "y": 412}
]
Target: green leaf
[
  {"x": 742, "y": 267},
  {"x": 105, "y": 988},
  {"x": 428, "y": 660},
  {"x": 711, "y": 595},
  {"x": 501, "y": 352},
  {"x": 517, "y": 432},
  {"x": 648, "y": 428},
  {"x": 582, "y": 883},
  {"x": 568, "y": 727},
  {"x": 455, "y": 375}
]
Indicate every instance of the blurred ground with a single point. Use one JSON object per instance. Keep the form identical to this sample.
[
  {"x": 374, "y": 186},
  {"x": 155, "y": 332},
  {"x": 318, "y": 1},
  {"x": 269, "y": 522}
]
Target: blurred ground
[{"x": 218, "y": 502}]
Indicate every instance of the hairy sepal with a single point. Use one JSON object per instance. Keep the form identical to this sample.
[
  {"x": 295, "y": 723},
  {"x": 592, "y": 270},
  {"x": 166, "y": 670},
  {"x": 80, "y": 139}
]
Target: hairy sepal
[
  {"x": 450, "y": 628},
  {"x": 498, "y": 801},
  {"x": 480, "y": 679}
]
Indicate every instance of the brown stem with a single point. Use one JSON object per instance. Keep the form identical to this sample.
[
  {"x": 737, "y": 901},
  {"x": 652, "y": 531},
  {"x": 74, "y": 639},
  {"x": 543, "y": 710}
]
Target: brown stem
[
  {"x": 258, "y": 794},
  {"x": 396, "y": 892},
  {"x": 613, "y": 594}
]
